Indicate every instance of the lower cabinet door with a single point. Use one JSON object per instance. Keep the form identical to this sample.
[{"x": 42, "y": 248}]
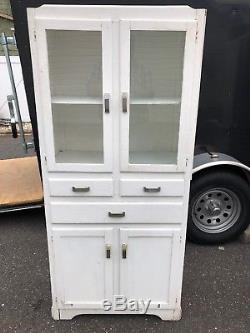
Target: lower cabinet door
[
  {"x": 83, "y": 266},
  {"x": 149, "y": 266}
]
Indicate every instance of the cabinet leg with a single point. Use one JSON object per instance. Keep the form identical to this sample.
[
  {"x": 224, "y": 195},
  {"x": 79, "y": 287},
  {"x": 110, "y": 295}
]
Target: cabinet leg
[
  {"x": 55, "y": 313},
  {"x": 169, "y": 315},
  {"x": 177, "y": 314}
]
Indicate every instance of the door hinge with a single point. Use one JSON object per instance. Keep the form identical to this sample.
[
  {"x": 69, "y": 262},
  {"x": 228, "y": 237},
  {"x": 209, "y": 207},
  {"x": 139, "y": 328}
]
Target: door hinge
[
  {"x": 186, "y": 162},
  {"x": 180, "y": 239},
  {"x": 45, "y": 159},
  {"x": 34, "y": 35}
]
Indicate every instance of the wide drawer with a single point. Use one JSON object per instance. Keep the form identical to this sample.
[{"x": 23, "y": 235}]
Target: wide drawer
[
  {"x": 81, "y": 187},
  {"x": 152, "y": 187},
  {"x": 64, "y": 212}
]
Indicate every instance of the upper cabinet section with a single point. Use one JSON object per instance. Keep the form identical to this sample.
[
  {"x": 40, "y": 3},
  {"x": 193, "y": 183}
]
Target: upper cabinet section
[
  {"x": 157, "y": 72},
  {"x": 160, "y": 74},
  {"x": 75, "y": 73},
  {"x": 75, "y": 85},
  {"x": 156, "y": 67}
]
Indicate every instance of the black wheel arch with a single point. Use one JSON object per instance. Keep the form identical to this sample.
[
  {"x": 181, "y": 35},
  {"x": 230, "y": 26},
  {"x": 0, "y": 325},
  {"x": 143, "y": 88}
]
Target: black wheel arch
[{"x": 234, "y": 169}]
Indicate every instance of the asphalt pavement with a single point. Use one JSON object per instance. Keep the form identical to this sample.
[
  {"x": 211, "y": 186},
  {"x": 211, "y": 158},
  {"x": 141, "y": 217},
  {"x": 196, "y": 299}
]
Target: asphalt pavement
[{"x": 216, "y": 288}]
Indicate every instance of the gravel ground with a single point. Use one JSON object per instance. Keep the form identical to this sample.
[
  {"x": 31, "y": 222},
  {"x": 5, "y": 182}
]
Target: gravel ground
[
  {"x": 11, "y": 148},
  {"x": 216, "y": 290}
]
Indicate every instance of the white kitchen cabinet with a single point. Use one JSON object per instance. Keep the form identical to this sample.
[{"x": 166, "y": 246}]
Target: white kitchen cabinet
[{"x": 117, "y": 91}]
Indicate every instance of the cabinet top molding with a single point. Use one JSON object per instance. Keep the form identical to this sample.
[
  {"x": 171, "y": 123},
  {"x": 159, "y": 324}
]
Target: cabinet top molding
[{"x": 112, "y": 12}]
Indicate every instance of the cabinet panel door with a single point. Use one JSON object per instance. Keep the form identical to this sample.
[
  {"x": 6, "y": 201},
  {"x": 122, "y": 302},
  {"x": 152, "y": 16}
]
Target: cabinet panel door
[
  {"x": 83, "y": 272},
  {"x": 157, "y": 69},
  {"x": 75, "y": 81},
  {"x": 149, "y": 270}
]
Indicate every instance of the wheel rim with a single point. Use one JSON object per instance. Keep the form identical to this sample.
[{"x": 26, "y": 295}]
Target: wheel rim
[{"x": 216, "y": 210}]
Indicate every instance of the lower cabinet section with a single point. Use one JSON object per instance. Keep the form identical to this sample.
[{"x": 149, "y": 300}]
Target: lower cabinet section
[{"x": 116, "y": 270}]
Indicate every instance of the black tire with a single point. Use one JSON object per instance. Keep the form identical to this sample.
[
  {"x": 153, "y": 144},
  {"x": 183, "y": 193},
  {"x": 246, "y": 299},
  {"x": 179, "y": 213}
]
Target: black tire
[{"x": 218, "y": 179}]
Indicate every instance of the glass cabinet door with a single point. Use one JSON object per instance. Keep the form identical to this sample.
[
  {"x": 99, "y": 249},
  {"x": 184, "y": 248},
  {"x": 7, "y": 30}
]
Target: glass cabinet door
[
  {"x": 79, "y": 72},
  {"x": 152, "y": 94}
]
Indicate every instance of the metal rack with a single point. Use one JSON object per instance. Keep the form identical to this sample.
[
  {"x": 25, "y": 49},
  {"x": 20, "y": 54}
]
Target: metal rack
[
  {"x": 15, "y": 119},
  {"x": 13, "y": 103}
]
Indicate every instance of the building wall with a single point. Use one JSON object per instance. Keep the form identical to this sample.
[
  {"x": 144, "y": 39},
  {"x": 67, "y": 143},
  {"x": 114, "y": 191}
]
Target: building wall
[
  {"x": 5, "y": 26},
  {"x": 6, "y": 88}
]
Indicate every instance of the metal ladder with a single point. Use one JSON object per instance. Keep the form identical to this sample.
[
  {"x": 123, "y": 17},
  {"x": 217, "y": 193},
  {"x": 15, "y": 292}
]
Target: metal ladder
[{"x": 13, "y": 102}]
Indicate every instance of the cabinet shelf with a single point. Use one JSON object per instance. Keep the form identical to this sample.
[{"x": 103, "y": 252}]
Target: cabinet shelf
[
  {"x": 76, "y": 156},
  {"x": 160, "y": 101},
  {"x": 98, "y": 101},
  {"x": 152, "y": 157},
  {"x": 76, "y": 100}
]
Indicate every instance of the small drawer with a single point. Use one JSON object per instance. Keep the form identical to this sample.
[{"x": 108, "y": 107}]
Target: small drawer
[
  {"x": 152, "y": 187},
  {"x": 76, "y": 212},
  {"x": 81, "y": 187}
]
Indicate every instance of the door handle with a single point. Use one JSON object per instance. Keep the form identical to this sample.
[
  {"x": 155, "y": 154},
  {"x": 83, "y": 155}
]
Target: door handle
[
  {"x": 151, "y": 189},
  {"x": 122, "y": 214},
  {"x": 124, "y": 250},
  {"x": 106, "y": 103},
  {"x": 80, "y": 189},
  {"x": 108, "y": 251},
  {"x": 124, "y": 102}
]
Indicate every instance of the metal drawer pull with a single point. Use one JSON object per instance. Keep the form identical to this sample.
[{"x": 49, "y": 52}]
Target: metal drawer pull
[
  {"x": 116, "y": 214},
  {"x": 124, "y": 103},
  {"x": 80, "y": 189},
  {"x": 151, "y": 189},
  {"x": 124, "y": 250},
  {"x": 108, "y": 251},
  {"x": 106, "y": 103}
]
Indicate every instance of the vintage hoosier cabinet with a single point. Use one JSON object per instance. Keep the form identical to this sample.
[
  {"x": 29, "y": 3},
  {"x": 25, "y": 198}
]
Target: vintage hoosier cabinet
[{"x": 117, "y": 91}]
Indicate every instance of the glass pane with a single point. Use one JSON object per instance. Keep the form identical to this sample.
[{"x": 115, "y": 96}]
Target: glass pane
[
  {"x": 156, "y": 66},
  {"x": 153, "y": 134},
  {"x": 78, "y": 133},
  {"x": 75, "y": 63},
  {"x": 75, "y": 70}
]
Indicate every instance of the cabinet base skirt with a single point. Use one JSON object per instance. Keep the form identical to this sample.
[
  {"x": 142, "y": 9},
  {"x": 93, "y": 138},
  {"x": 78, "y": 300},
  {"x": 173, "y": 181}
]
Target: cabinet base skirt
[{"x": 68, "y": 314}]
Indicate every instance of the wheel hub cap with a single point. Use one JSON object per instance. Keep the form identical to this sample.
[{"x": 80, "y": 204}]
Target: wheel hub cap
[
  {"x": 213, "y": 207},
  {"x": 216, "y": 210}
]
